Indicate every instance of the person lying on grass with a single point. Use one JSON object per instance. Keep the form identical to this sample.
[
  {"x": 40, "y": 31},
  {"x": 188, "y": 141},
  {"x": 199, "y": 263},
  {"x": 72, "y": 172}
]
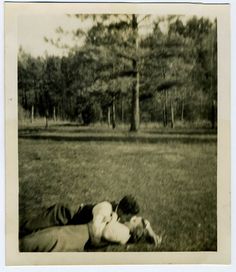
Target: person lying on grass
[
  {"x": 73, "y": 238},
  {"x": 100, "y": 214}
]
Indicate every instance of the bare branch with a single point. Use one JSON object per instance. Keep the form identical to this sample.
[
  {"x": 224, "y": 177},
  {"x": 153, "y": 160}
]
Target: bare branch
[
  {"x": 122, "y": 55},
  {"x": 128, "y": 16},
  {"x": 144, "y": 18}
]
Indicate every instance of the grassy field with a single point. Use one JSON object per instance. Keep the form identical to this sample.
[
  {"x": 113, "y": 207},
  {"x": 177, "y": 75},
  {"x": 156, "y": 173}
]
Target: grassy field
[{"x": 172, "y": 173}]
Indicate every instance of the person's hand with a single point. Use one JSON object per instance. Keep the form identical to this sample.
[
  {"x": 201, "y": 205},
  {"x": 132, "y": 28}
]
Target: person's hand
[
  {"x": 157, "y": 239},
  {"x": 114, "y": 217}
]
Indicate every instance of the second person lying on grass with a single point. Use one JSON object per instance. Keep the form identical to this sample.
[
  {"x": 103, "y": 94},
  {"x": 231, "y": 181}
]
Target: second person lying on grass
[
  {"x": 60, "y": 214},
  {"x": 73, "y": 238}
]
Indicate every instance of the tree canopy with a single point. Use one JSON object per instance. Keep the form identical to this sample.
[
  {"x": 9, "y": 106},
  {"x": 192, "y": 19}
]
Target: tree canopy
[{"x": 123, "y": 72}]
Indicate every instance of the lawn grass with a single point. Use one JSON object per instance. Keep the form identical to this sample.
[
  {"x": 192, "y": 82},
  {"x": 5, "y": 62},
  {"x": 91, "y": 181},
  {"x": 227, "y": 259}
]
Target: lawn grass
[{"x": 174, "y": 180}]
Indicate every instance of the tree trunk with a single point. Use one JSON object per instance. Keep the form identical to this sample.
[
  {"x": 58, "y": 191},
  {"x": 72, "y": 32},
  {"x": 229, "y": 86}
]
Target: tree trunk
[
  {"x": 164, "y": 115},
  {"x": 172, "y": 114},
  {"x": 32, "y": 113},
  {"x": 23, "y": 98},
  {"x": 182, "y": 111},
  {"x": 26, "y": 102},
  {"x": 135, "y": 118},
  {"x": 122, "y": 110},
  {"x": 58, "y": 113},
  {"x": 109, "y": 116},
  {"x": 46, "y": 119},
  {"x": 54, "y": 114},
  {"x": 213, "y": 114},
  {"x": 113, "y": 116},
  {"x": 100, "y": 115},
  {"x": 165, "y": 110}
]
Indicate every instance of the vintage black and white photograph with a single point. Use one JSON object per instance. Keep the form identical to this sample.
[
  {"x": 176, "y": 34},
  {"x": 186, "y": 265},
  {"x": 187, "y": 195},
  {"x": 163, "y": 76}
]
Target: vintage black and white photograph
[{"x": 117, "y": 120}]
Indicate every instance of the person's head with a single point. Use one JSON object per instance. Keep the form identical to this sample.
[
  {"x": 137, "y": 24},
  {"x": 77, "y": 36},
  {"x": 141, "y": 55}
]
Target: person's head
[
  {"x": 127, "y": 207},
  {"x": 138, "y": 227}
]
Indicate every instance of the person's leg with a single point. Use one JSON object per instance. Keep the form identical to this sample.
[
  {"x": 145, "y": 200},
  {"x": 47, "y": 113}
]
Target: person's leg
[
  {"x": 70, "y": 238},
  {"x": 55, "y": 215},
  {"x": 40, "y": 241}
]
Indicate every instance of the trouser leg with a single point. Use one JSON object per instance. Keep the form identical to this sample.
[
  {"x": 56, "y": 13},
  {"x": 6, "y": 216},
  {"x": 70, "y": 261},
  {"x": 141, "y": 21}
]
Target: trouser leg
[{"x": 55, "y": 215}]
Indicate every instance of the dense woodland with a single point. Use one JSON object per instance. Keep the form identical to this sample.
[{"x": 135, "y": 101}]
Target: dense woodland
[{"x": 121, "y": 74}]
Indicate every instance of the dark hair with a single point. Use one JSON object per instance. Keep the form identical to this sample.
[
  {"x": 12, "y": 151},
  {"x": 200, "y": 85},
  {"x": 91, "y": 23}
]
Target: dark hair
[
  {"x": 138, "y": 233},
  {"x": 128, "y": 205}
]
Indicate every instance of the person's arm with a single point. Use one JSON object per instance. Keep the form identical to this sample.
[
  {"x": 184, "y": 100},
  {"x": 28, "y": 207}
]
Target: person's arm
[
  {"x": 102, "y": 214},
  {"x": 116, "y": 232},
  {"x": 155, "y": 238}
]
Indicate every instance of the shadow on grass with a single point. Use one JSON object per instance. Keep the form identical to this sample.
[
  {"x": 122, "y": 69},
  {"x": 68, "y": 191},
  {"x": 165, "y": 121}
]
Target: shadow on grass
[
  {"x": 129, "y": 139},
  {"x": 58, "y": 130},
  {"x": 68, "y": 125},
  {"x": 72, "y": 128},
  {"x": 184, "y": 132}
]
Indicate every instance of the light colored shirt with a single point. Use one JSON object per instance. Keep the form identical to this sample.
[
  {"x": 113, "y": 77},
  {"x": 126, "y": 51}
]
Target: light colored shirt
[
  {"x": 116, "y": 232},
  {"x": 102, "y": 215},
  {"x": 105, "y": 225}
]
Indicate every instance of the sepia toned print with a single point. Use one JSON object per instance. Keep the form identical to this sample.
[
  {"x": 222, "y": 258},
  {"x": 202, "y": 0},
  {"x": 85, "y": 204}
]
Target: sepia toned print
[{"x": 119, "y": 124}]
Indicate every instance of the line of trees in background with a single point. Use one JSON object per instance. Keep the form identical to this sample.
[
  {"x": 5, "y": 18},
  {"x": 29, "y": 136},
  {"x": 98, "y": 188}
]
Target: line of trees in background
[{"x": 120, "y": 75}]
